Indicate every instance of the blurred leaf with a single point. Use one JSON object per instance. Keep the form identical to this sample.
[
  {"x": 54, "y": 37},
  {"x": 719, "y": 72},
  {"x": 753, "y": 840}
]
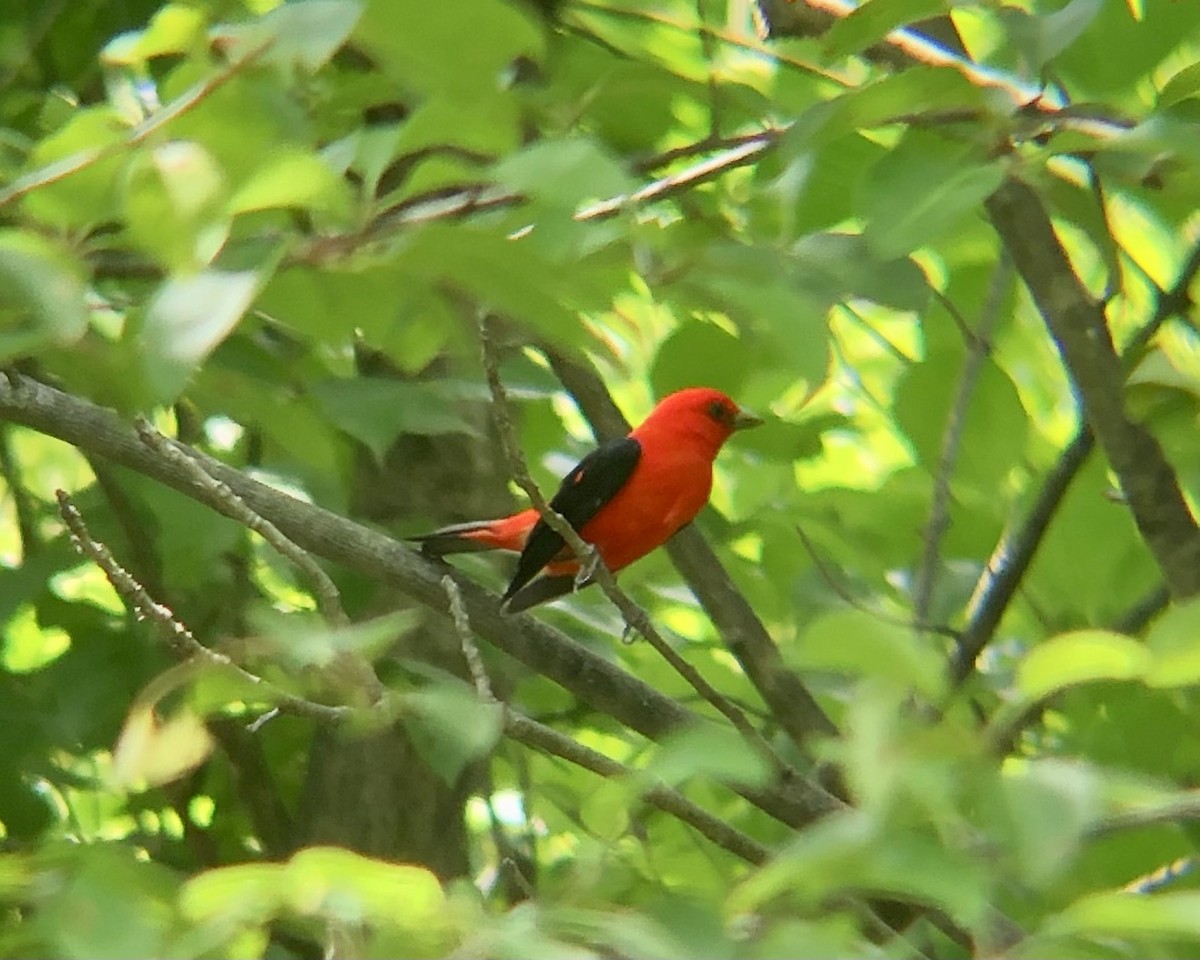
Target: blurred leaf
[
  {"x": 293, "y": 179},
  {"x": 1120, "y": 914},
  {"x": 157, "y": 752},
  {"x": 1041, "y": 38},
  {"x": 917, "y": 194},
  {"x": 348, "y": 887},
  {"x": 185, "y": 321},
  {"x": 700, "y": 354},
  {"x": 1174, "y": 640},
  {"x": 709, "y": 750},
  {"x": 41, "y": 290},
  {"x": 246, "y": 893},
  {"x": 1050, "y": 804},
  {"x": 605, "y": 810},
  {"x": 302, "y": 33},
  {"x": 173, "y": 195},
  {"x": 863, "y": 645},
  {"x": 1182, "y": 86},
  {"x": 377, "y": 411},
  {"x": 451, "y": 726},
  {"x": 563, "y": 174},
  {"x": 486, "y": 36},
  {"x": 1084, "y": 656},
  {"x": 841, "y": 266},
  {"x": 873, "y": 19},
  {"x": 175, "y": 28},
  {"x": 86, "y": 195}
]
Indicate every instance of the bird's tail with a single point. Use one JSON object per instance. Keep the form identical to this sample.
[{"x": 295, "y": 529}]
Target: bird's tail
[{"x": 507, "y": 533}]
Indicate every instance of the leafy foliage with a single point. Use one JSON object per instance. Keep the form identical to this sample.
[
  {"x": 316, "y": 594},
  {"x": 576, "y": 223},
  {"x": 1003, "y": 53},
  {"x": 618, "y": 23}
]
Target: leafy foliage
[{"x": 270, "y": 228}]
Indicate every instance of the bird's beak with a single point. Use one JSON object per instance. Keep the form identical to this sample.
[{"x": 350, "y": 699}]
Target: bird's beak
[{"x": 744, "y": 420}]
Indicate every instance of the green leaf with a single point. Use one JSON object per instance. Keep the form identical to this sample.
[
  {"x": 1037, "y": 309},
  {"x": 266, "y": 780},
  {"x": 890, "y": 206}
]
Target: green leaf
[
  {"x": 377, "y": 411},
  {"x": 995, "y": 426},
  {"x": 348, "y": 887},
  {"x": 174, "y": 28},
  {"x": 709, "y": 750},
  {"x": 1042, "y": 38},
  {"x": 186, "y": 320},
  {"x": 1174, "y": 641},
  {"x": 862, "y": 645},
  {"x": 455, "y": 47},
  {"x": 173, "y": 196},
  {"x": 563, "y": 173},
  {"x": 247, "y": 893},
  {"x": 81, "y": 191},
  {"x": 41, "y": 294},
  {"x": 700, "y": 354},
  {"x": 604, "y": 810},
  {"x": 923, "y": 190},
  {"x": 1084, "y": 656},
  {"x": 1120, "y": 914},
  {"x": 1182, "y": 86},
  {"x": 873, "y": 19},
  {"x": 451, "y": 726},
  {"x": 303, "y": 33},
  {"x": 842, "y": 266},
  {"x": 1049, "y": 805},
  {"x": 293, "y": 179}
]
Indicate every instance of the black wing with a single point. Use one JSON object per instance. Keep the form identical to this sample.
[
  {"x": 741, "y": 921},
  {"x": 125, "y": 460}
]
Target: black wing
[{"x": 587, "y": 488}]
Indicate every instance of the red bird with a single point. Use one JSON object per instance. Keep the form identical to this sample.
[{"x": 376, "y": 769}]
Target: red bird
[{"x": 626, "y": 497}]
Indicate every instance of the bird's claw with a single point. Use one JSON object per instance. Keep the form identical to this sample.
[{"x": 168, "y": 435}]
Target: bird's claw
[{"x": 587, "y": 569}]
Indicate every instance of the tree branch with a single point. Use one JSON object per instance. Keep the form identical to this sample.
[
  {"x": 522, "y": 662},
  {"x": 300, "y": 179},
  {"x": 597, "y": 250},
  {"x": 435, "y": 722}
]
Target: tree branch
[
  {"x": 978, "y": 347},
  {"x": 177, "y": 635},
  {"x": 790, "y": 702},
  {"x": 590, "y": 559},
  {"x": 1079, "y": 328},
  {"x": 588, "y": 676},
  {"x": 549, "y": 741}
]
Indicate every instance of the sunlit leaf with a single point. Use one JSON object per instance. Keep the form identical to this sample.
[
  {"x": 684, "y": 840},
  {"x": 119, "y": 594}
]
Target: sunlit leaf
[
  {"x": 185, "y": 321},
  {"x": 157, "y": 752},
  {"x": 41, "y": 294},
  {"x": 1084, "y": 656}
]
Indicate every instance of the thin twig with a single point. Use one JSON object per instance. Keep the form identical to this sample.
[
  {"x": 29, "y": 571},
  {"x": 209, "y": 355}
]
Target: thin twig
[
  {"x": 1006, "y": 567},
  {"x": 543, "y": 738},
  {"x": 853, "y": 601},
  {"x": 177, "y": 635},
  {"x": 635, "y": 617},
  {"x": 537, "y": 735},
  {"x": 222, "y": 499},
  {"x": 77, "y": 162},
  {"x": 23, "y": 505},
  {"x": 590, "y": 677},
  {"x": 978, "y": 348},
  {"x": 792, "y": 706}
]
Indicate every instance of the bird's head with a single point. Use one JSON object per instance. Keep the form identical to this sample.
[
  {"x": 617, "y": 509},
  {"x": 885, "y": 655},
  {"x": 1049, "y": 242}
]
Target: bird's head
[{"x": 702, "y": 413}]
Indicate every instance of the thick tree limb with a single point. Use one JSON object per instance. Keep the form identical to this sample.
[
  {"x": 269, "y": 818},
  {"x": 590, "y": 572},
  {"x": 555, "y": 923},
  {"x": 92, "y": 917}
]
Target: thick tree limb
[
  {"x": 591, "y": 678},
  {"x": 1078, "y": 325}
]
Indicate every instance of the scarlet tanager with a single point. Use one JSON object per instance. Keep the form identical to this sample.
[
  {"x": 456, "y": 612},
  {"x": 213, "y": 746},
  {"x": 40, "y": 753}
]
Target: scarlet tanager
[{"x": 626, "y": 497}]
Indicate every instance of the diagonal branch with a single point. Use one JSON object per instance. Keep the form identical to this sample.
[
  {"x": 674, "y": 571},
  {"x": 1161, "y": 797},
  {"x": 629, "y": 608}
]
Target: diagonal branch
[
  {"x": 791, "y": 704},
  {"x": 550, "y": 741},
  {"x": 1014, "y": 553},
  {"x": 549, "y": 652},
  {"x": 978, "y": 347},
  {"x": 1079, "y": 327},
  {"x": 590, "y": 559}
]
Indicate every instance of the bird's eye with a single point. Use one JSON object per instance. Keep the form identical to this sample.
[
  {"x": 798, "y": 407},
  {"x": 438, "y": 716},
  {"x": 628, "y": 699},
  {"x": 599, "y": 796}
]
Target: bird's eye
[{"x": 720, "y": 412}]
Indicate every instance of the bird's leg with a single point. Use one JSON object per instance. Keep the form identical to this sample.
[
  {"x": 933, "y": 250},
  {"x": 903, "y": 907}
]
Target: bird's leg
[{"x": 587, "y": 568}]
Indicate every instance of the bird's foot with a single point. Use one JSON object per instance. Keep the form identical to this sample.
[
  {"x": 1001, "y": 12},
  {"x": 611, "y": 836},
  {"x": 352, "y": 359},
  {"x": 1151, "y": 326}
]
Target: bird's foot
[{"x": 587, "y": 569}]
